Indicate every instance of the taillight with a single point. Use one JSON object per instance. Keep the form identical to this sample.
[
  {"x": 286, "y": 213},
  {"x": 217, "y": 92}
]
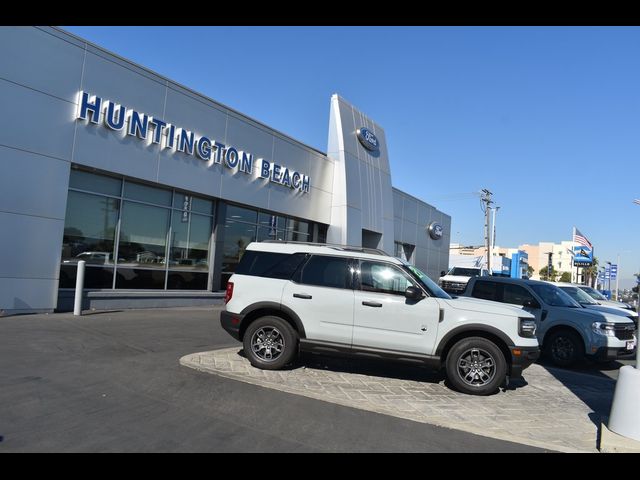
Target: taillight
[{"x": 229, "y": 292}]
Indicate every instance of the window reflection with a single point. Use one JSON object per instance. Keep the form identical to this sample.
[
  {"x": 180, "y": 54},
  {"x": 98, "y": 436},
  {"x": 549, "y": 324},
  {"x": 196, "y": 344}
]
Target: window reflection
[
  {"x": 190, "y": 241},
  {"x": 89, "y": 230},
  {"x": 143, "y": 233}
]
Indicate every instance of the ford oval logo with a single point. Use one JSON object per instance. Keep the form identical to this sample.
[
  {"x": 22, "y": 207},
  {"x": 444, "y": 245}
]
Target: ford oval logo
[
  {"x": 435, "y": 230},
  {"x": 368, "y": 139}
]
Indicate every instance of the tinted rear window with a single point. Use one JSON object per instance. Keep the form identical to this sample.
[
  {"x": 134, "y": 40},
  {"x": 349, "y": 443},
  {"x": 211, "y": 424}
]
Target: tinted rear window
[
  {"x": 327, "y": 271},
  {"x": 268, "y": 264},
  {"x": 486, "y": 291}
]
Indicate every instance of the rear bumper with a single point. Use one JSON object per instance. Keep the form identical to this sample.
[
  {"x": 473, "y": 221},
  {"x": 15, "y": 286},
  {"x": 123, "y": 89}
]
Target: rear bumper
[
  {"x": 520, "y": 361},
  {"x": 231, "y": 323}
]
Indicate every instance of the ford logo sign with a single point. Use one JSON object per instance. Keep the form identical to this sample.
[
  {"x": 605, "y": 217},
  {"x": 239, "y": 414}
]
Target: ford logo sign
[
  {"x": 368, "y": 139},
  {"x": 435, "y": 230}
]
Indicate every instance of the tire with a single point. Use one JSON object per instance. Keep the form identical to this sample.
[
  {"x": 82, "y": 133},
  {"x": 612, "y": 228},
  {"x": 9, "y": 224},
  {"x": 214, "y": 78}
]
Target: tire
[
  {"x": 564, "y": 348},
  {"x": 476, "y": 366},
  {"x": 270, "y": 343}
]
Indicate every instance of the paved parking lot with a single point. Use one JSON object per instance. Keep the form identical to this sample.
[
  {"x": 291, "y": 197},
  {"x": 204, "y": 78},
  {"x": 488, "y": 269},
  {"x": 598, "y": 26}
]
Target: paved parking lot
[
  {"x": 112, "y": 382},
  {"x": 549, "y": 408}
]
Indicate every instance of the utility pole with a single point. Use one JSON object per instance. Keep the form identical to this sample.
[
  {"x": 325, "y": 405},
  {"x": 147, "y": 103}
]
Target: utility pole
[{"x": 485, "y": 198}]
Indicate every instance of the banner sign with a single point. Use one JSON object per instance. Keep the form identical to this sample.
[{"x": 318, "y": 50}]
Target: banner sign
[{"x": 583, "y": 256}]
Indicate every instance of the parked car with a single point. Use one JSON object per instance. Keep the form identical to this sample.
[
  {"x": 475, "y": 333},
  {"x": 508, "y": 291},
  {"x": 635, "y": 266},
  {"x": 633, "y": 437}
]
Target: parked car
[
  {"x": 602, "y": 300},
  {"x": 455, "y": 280},
  {"x": 587, "y": 301},
  {"x": 289, "y": 296},
  {"x": 567, "y": 331}
]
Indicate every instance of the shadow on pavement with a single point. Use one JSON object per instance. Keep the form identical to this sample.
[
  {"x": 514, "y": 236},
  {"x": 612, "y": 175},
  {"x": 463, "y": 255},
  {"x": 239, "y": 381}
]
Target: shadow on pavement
[
  {"x": 587, "y": 382},
  {"x": 373, "y": 367}
]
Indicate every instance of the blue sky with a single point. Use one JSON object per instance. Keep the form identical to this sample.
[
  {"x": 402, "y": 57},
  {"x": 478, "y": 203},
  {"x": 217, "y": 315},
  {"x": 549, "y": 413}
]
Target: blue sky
[{"x": 547, "y": 118}]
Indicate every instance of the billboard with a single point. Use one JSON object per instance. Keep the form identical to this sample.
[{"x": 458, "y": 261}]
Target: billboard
[{"x": 582, "y": 256}]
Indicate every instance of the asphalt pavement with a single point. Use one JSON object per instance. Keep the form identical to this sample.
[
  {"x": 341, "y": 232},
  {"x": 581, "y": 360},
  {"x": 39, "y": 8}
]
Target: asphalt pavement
[{"x": 112, "y": 382}]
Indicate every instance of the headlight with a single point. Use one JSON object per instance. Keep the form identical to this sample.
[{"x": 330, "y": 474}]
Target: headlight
[
  {"x": 603, "y": 328},
  {"x": 526, "y": 327}
]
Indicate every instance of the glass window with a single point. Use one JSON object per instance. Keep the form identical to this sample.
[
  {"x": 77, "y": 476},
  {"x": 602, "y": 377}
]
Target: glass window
[
  {"x": 268, "y": 264},
  {"x": 145, "y": 193},
  {"x": 322, "y": 234},
  {"x": 486, "y": 290},
  {"x": 298, "y": 225},
  {"x": 241, "y": 214},
  {"x": 237, "y": 237},
  {"x": 89, "y": 229},
  {"x": 265, "y": 233},
  {"x": 138, "y": 278},
  {"x": 187, "y": 280},
  {"x": 143, "y": 233},
  {"x": 298, "y": 237},
  {"x": 187, "y": 202},
  {"x": 515, "y": 294},
  {"x": 326, "y": 271},
  {"x": 189, "y": 247},
  {"x": 95, "y": 183},
  {"x": 94, "y": 277},
  {"x": 383, "y": 278},
  {"x": 271, "y": 221},
  {"x": 555, "y": 297}
]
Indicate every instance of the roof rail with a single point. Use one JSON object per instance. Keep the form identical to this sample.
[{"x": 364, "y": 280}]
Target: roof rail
[{"x": 335, "y": 246}]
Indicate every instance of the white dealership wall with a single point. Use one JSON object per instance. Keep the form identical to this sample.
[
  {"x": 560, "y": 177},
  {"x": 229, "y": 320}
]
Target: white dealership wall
[{"x": 42, "y": 69}]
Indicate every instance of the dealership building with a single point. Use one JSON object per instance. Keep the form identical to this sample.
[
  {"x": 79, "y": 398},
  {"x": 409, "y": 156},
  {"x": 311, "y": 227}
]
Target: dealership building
[{"x": 160, "y": 189}]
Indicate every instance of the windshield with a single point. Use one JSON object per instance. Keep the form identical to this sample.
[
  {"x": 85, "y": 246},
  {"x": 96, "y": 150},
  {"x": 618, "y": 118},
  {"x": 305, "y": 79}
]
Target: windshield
[
  {"x": 593, "y": 293},
  {"x": 552, "y": 295},
  {"x": 429, "y": 284},
  {"x": 579, "y": 296},
  {"x": 464, "y": 272}
]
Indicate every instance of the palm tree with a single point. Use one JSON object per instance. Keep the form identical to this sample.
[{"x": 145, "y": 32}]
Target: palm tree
[{"x": 590, "y": 273}]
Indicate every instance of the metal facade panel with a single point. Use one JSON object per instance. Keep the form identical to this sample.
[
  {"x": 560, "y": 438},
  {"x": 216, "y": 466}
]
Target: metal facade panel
[
  {"x": 33, "y": 247},
  {"x": 33, "y": 184},
  {"x": 39, "y": 60},
  {"x": 35, "y": 122}
]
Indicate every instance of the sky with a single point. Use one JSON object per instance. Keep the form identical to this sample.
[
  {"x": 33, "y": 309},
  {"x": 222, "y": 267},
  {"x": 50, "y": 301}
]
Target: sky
[{"x": 546, "y": 118}]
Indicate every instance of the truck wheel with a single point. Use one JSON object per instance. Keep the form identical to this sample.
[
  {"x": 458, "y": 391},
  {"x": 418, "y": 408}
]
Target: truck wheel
[
  {"x": 270, "y": 343},
  {"x": 476, "y": 366},
  {"x": 564, "y": 347}
]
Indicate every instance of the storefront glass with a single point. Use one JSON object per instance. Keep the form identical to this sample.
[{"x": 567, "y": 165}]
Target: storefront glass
[{"x": 135, "y": 236}]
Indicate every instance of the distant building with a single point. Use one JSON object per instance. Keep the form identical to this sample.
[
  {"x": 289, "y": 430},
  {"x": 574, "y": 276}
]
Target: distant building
[{"x": 537, "y": 256}]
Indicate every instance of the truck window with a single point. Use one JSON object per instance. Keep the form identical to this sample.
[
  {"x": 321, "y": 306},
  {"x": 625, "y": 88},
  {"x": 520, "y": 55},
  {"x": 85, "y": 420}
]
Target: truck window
[
  {"x": 486, "y": 291},
  {"x": 515, "y": 294}
]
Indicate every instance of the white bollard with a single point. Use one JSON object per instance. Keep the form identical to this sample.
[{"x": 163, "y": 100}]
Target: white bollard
[
  {"x": 77, "y": 300},
  {"x": 625, "y": 410}
]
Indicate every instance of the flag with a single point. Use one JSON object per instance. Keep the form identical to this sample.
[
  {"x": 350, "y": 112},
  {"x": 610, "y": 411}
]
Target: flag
[{"x": 580, "y": 239}]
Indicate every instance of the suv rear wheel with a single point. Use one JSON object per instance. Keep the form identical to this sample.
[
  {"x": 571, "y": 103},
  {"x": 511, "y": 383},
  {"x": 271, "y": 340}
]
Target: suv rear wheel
[
  {"x": 476, "y": 366},
  {"x": 270, "y": 343}
]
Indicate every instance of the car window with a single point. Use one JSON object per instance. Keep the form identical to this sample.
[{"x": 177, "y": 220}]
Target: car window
[
  {"x": 579, "y": 295},
  {"x": 464, "y": 272},
  {"x": 486, "y": 291},
  {"x": 515, "y": 294},
  {"x": 552, "y": 295},
  {"x": 383, "y": 278},
  {"x": 326, "y": 271},
  {"x": 269, "y": 264}
]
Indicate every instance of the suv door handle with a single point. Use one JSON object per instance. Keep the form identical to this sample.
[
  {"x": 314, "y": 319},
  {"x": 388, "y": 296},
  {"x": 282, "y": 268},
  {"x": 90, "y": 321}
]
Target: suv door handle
[
  {"x": 304, "y": 296},
  {"x": 372, "y": 304}
]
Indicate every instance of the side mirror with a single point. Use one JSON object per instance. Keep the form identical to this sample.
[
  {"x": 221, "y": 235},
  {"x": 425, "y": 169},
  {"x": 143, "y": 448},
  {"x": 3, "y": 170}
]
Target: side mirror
[
  {"x": 443, "y": 273},
  {"x": 531, "y": 304},
  {"x": 413, "y": 293}
]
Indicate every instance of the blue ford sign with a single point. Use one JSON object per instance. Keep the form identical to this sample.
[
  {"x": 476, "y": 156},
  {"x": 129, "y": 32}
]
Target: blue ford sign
[{"x": 368, "y": 139}]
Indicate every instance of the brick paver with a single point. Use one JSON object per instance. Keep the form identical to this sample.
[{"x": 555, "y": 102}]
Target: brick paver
[{"x": 541, "y": 411}]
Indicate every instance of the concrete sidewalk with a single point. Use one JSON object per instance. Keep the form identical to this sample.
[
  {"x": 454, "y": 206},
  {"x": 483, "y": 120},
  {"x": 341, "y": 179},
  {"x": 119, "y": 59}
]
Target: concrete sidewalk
[{"x": 550, "y": 409}]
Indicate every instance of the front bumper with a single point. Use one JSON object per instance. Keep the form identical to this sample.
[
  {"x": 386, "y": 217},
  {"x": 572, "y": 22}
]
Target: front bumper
[
  {"x": 521, "y": 358},
  {"x": 613, "y": 353}
]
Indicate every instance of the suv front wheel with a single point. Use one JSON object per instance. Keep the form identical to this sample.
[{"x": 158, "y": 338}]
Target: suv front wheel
[
  {"x": 476, "y": 366},
  {"x": 270, "y": 343}
]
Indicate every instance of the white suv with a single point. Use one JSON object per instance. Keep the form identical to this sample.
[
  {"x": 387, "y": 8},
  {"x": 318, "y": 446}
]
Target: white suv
[{"x": 286, "y": 296}]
